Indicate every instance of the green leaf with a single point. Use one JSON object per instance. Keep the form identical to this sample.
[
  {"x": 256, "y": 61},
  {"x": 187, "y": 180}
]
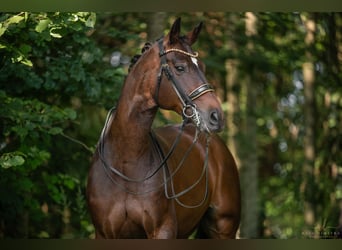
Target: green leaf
[
  {"x": 55, "y": 130},
  {"x": 71, "y": 113},
  {"x": 69, "y": 183},
  {"x": 2, "y": 30},
  {"x": 25, "y": 48},
  {"x": 26, "y": 62},
  {"x": 12, "y": 159},
  {"x": 91, "y": 20},
  {"x": 42, "y": 25},
  {"x": 54, "y": 34},
  {"x": 26, "y": 184},
  {"x": 14, "y": 19}
]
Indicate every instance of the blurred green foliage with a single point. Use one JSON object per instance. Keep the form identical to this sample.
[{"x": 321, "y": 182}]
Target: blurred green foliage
[{"x": 50, "y": 68}]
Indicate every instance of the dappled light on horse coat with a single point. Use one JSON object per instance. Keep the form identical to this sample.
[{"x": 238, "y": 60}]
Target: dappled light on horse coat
[{"x": 165, "y": 183}]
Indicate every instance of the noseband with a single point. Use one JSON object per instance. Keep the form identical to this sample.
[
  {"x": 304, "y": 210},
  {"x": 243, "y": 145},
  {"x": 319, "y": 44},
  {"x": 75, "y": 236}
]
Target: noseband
[{"x": 186, "y": 99}]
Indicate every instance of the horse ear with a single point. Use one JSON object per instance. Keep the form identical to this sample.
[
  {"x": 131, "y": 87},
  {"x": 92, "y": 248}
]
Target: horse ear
[
  {"x": 175, "y": 31},
  {"x": 192, "y": 36}
]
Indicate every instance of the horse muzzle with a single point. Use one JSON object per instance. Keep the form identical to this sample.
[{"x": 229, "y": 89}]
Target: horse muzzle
[{"x": 210, "y": 121}]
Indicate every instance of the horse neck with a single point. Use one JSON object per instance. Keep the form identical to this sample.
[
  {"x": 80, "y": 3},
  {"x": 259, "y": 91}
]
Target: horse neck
[{"x": 129, "y": 131}]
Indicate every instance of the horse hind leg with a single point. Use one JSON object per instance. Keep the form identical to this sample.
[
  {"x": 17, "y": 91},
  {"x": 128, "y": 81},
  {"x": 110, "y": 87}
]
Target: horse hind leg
[{"x": 215, "y": 225}]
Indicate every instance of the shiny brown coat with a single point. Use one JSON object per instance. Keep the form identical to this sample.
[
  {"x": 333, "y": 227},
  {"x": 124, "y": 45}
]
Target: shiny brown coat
[{"x": 124, "y": 209}]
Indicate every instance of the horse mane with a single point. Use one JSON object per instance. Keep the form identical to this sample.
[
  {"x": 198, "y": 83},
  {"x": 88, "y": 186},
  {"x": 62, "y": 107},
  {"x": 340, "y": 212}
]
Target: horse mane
[{"x": 135, "y": 58}]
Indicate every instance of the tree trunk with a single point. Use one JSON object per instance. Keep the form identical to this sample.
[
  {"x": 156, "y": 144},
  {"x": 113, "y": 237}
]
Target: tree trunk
[
  {"x": 308, "y": 172},
  {"x": 156, "y": 25},
  {"x": 249, "y": 166},
  {"x": 232, "y": 96},
  {"x": 232, "y": 108}
]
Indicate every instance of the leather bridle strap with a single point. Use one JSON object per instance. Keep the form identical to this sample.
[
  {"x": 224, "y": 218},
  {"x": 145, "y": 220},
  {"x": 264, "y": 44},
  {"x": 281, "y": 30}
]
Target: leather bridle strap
[
  {"x": 186, "y": 101},
  {"x": 189, "y": 107},
  {"x": 201, "y": 90}
]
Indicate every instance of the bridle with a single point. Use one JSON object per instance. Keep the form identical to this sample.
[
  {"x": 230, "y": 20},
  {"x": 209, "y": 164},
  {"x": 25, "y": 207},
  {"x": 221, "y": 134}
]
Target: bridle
[
  {"x": 186, "y": 99},
  {"x": 188, "y": 104}
]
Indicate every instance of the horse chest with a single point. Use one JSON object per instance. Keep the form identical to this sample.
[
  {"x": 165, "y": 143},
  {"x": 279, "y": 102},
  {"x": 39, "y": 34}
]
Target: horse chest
[{"x": 130, "y": 216}]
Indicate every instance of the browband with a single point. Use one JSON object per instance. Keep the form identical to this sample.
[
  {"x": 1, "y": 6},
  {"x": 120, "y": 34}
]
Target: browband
[{"x": 179, "y": 51}]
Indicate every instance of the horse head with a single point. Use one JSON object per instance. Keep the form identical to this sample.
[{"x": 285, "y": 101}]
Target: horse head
[{"x": 184, "y": 88}]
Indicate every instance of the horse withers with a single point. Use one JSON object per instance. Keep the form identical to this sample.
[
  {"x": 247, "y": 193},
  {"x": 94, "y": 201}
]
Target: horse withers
[{"x": 168, "y": 182}]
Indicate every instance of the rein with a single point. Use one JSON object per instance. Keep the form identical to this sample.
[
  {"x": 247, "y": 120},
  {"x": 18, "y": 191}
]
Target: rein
[
  {"x": 168, "y": 177},
  {"x": 204, "y": 171},
  {"x": 188, "y": 105}
]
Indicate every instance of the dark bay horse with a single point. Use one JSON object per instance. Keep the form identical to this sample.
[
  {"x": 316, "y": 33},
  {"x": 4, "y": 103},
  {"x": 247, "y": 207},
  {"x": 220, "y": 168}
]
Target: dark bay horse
[{"x": 171, "y": 181}]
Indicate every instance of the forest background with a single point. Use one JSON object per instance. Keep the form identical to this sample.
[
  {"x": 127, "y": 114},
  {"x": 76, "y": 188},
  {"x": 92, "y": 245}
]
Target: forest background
[{"x": 278, "y": 76}]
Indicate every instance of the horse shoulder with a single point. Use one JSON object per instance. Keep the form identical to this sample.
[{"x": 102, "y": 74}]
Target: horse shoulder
[
  {"x": 221, "y": 155},
  {"x": 225, "y": 204}
]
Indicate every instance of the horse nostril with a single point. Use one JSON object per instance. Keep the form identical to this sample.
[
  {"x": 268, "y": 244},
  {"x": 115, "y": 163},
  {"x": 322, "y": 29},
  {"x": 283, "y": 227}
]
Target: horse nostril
[{"x": 214, "y": 117}]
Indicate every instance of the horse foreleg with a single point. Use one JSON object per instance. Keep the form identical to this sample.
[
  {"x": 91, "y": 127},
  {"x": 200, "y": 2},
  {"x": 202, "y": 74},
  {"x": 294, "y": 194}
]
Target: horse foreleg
[
  {"x": 160, "y": 224},
  {"x": 216, "y": 225},
  {"x": 167, "y": 230},
  {"x": 164, "y": 233},
  {"x": 224, "y": 228}
]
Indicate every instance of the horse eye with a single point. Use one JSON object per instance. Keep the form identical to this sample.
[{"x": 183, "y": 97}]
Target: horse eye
[{"x": 180, "y": 68}]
